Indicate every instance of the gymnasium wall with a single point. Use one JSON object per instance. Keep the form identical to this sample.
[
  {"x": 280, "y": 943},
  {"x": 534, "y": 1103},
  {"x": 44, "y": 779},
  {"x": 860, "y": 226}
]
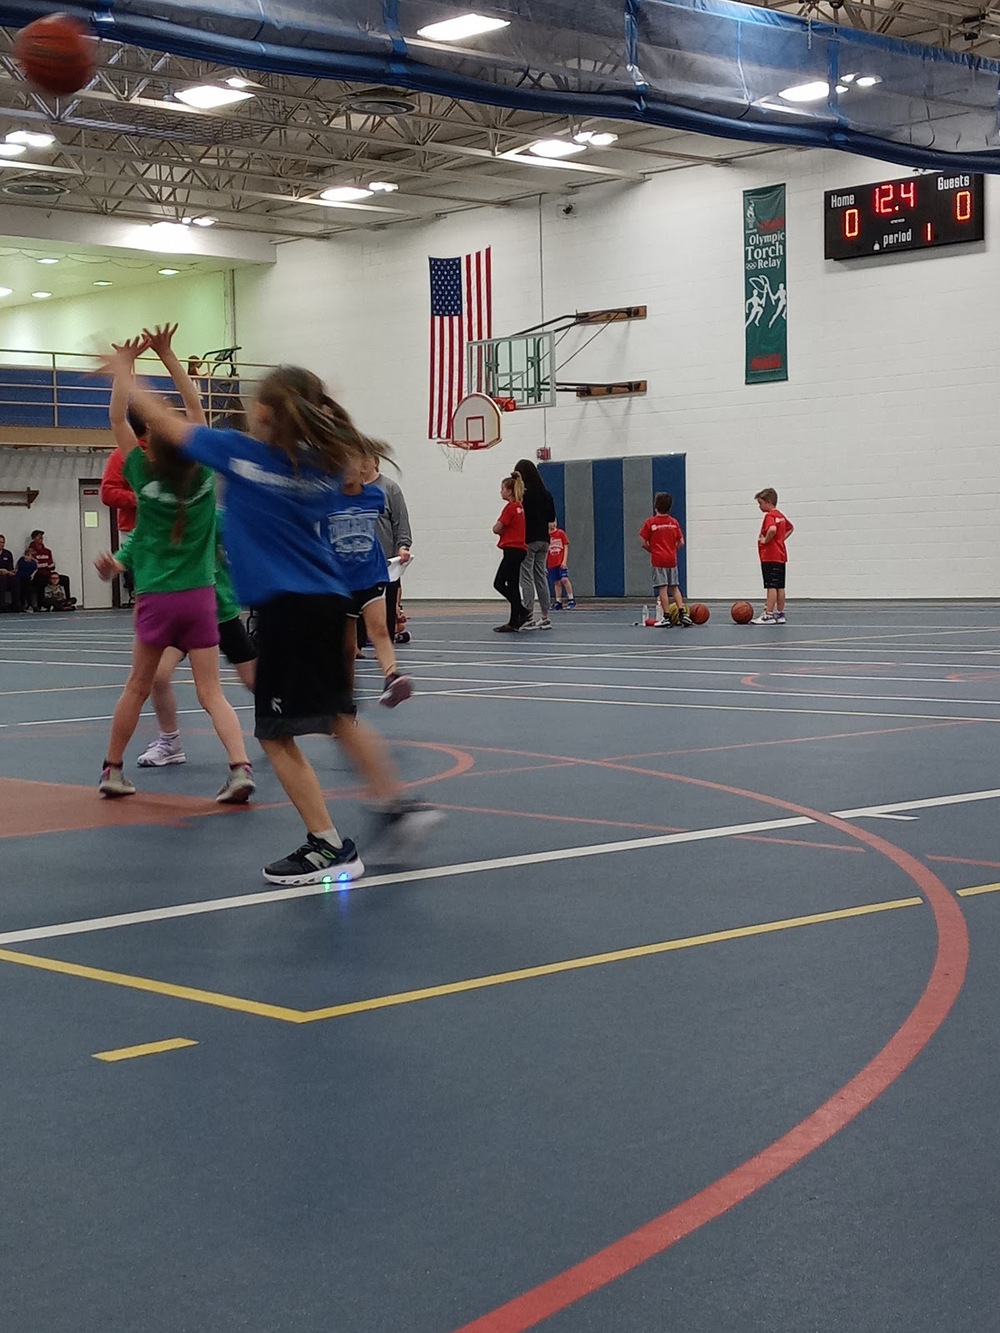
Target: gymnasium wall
[
  {"x": 881, "y": 444},
  {"x": 56, "y": 475}
]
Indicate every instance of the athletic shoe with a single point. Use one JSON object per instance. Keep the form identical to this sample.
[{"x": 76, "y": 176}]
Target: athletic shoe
[
  {"x": 403, "y": 827},
  {"x": 686, "y": 619},
  {"x": 529, "y": 622},
  {"x": 315, "y": 862},
  {"x": 663, "y": 623},
  {"x": 779, "y": 619},
  {"x": 238, "y": 787},
  {"x": 114, "y": 783},
  {"x": 163, "y": 751},
  {"x": 396, "y": 690},
  {"x": 504, "y": 629},
  {"x": 557, "y": 606},
  {"x": 765, "y": 618},
  {"x": 402, "y": 637},
  {"x": 572, "y": 603},
  {"x": 545, "y": 624}
]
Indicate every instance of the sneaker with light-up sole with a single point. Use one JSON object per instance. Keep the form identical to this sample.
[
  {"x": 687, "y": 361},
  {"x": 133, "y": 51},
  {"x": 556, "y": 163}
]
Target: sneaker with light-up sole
[
  {"x": 315, "y": 862},
  {"x": 161, "y": 752}
]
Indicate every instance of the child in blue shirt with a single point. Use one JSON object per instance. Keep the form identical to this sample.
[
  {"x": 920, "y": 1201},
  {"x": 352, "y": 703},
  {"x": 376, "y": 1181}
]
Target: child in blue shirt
[
  {"x": 283, "y": 479},
  {"x": 351, "y": 528}
]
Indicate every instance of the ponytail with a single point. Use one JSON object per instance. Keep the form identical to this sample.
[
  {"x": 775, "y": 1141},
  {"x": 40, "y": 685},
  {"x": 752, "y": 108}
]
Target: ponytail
[
  {"x": 516, "y": 486},
  {"x": 169, "y": 465},
  {"x": 308, "y": 423}
]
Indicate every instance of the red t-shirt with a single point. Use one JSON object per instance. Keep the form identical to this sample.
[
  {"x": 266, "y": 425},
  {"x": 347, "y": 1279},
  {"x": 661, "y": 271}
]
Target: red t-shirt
[
  {"x": 43, "y": 556},
  {"x": 512, "y": 521},
  {"x": 774, "y": 552},
  {"x": 664, "y": 535},
  {"x": 558, "y": 541},
  {"x": 116, "y": 493}
]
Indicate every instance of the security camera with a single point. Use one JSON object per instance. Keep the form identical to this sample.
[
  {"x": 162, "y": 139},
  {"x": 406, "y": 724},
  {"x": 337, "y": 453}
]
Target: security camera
[{"x": 567, "y": 210}]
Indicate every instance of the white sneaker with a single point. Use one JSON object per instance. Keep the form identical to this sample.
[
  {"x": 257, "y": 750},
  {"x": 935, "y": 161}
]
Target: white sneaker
[
  {"x": 114, "y": 783},
  {"x": 779, "y": 619},
  {"x": 765, "y": 618},
  {"x": 238, "y": 787},
  {"x": 531, "y": 623},
  {"x": 163, "y": 751},
  {"x": 663, "y": 623},
  {"x": 545, "y": 624}
]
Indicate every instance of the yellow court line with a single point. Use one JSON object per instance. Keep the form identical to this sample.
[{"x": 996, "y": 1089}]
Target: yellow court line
[
  {"x": 598, "y": 959},
  {"x": 150, "y": 1048},
  {"x": 155, "y": 987},
  {"x": 449, "y": 988},
  {"x": 979, "y": 888}
]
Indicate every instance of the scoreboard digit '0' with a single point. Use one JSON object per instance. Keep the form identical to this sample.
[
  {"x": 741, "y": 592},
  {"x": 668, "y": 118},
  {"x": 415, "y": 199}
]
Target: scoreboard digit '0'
[{"x": 915, "y": 213}]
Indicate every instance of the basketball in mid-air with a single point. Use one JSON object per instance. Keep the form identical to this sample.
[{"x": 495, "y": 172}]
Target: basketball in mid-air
[
  {"x": 57, "y": 54},
  {"x": 699, "y": 613},
  {"x": 742, "y": 613}
]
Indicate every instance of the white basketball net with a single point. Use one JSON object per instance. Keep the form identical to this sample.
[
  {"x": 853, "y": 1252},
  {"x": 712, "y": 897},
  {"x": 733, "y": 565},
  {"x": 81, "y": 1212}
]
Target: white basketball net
[{"x": 454, "y": 455}]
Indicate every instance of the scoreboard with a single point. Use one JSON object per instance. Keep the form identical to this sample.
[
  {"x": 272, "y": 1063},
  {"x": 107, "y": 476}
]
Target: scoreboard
[{"x": 915, "y": 213}]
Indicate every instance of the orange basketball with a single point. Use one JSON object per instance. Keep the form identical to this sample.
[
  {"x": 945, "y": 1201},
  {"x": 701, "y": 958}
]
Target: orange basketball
[
  {"x": 742, "y": 613},
  {"x": 699, "y": 613},
  {"x": 57, "y": 54}
]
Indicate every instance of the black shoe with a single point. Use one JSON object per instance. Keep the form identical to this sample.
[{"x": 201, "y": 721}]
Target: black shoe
[
  {"x": 402, "y": 637},
  {"x": 403, "y": 827},
  {"x": 505, "y": 629},
  {"x": 315, "y": 862}
]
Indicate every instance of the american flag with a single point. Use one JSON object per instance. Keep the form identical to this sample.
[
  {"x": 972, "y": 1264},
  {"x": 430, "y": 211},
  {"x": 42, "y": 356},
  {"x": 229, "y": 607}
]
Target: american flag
[{"x": 461, "y": 312}]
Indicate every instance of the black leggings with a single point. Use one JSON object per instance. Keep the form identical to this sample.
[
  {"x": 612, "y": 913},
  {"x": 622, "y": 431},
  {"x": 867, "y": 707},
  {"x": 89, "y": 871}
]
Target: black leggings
[{"x": 508, "y": 582}]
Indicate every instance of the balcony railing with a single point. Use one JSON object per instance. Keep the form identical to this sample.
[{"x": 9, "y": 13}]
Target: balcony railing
[{"x": 59, "y": 391}]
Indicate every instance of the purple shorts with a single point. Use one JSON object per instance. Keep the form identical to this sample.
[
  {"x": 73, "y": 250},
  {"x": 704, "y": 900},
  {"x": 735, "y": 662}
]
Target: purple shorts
[{"x": 184, "y": 620}]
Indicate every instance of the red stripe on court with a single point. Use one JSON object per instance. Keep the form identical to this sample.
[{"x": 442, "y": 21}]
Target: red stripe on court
[{"x": 655, "y": 1237}]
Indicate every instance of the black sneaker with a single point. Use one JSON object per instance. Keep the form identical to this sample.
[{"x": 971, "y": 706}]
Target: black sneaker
[
  {"x": 403, "y": 827},
  {"x": 686, "y": 620},
  {"x": 315, "y": 862}
]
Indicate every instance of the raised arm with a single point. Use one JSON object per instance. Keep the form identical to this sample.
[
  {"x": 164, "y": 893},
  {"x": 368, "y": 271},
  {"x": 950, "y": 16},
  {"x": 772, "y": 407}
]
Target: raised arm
[
  {"x": 121, "y": 367},
  {"x": 160, "y": 341}
]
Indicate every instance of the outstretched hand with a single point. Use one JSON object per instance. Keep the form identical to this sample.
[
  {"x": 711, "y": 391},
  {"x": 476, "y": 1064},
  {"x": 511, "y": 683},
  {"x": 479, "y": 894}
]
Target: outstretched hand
[
  {"x": 108, "y": 567},
  {"x": 160, "y": 339},
  {"x": 122, "y": 357}
]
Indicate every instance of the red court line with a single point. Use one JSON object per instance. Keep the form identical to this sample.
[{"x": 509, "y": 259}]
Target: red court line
[
  {"x": 965, "y": 861},
  {"x": 655, "y": 1237}
]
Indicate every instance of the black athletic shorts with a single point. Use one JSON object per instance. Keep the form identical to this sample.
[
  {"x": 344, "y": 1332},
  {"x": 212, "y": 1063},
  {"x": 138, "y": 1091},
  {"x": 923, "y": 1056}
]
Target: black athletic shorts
[
  {"x": 773, "y": 572},
  {"x": 235, "y": 644},
  {"x": 359, "y": 600},
  {"x": 302, "y": 685}
]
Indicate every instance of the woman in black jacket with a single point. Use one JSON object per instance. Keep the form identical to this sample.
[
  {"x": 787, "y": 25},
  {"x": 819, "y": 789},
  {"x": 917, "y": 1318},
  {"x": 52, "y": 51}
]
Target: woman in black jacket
[{"x": 539, "y": 520}]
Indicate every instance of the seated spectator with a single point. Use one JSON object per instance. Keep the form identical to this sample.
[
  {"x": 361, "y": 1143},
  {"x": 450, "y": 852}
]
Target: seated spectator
[
  {"x": 9, "y": 586},
  {"x": 24, "y": 572},
  {"x": 46, "y": 563},
  {"x": 54, "y": 597}
]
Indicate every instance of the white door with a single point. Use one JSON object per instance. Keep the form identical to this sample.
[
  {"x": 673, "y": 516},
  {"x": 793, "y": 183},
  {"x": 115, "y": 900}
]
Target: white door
[{"x": 95, "y": 537}]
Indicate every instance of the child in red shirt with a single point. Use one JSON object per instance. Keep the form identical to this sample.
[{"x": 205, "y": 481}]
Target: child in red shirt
[
  {"x": 558, "y": 574},
  {"x": 774, "y": 529},
  {"x": 662, "y": 537},
  {"x": 509, "y": 527}
]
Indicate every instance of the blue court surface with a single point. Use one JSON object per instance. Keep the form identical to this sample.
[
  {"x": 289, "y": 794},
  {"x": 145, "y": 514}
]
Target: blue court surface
[{"x": 684, "y": 1020}]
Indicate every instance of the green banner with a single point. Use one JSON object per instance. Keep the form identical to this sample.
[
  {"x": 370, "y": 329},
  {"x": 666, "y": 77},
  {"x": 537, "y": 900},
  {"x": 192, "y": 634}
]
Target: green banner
[{"x": 764, "y": 291}]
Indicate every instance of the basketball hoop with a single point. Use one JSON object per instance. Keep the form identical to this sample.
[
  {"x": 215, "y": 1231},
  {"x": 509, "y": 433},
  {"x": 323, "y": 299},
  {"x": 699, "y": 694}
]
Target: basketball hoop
[{"x": 475, "y": 425}]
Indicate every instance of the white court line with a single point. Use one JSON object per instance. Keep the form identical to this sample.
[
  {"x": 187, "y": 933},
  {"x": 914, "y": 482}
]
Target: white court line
[{"x": 99, "y": 923}]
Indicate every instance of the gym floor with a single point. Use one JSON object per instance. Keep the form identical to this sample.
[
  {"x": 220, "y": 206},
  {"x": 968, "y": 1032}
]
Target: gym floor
[{"x": 686, "y": 1020}]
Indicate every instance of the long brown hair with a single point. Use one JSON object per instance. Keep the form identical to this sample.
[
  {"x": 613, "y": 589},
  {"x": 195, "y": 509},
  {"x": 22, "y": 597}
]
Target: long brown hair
[
  {"x": 177, "y": 473},
  {"x": 515, "y": 485},
  {"x": 307, "y": 422}
]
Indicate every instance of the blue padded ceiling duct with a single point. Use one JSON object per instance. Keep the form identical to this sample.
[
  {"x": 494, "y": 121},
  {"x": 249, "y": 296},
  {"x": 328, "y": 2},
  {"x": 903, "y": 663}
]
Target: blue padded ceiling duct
[{"x": 701, "y": 65}]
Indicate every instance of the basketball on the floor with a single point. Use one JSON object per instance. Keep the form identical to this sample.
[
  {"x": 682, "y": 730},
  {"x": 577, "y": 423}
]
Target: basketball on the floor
[
  {"x": 57, "y": 54},
  {"x": 742, "y": 613},
  {"x": 699, "y": 613}
]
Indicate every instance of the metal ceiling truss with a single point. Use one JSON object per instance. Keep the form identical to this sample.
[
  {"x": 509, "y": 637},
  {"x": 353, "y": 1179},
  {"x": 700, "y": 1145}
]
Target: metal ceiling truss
[{"x": 973, "y": 28}]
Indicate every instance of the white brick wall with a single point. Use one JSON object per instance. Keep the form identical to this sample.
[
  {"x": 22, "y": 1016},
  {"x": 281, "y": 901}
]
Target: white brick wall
[{"x": 880, "y": 445}]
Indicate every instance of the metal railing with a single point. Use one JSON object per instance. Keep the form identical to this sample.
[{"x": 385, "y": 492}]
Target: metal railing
[{"x": 59, "y": 390}]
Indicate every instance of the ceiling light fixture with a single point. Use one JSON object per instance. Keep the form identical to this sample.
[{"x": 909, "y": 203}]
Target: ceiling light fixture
[
  {"x": 595, "y": 138},
  {"x": 103, "y": 282},
  {"x": 555, "y": 148},
  {"x": 12, "y": 149},
  {"x": 382, "y": 187},
  {"x": 466, "y": 25},
  {"x": 31, "y": 138},
  {"x": 6, "y": 291},
  {"x": 806, "y": 92},
  {"x": 47, "y": 261},
  {"x": 345, "y": 194},
  {"x": 868, "y": 80},
  {"x": 168, "y": 272},
  {"x": 209, "y": 96},
  {"x": 237, "y": 82},
  {"x": 205, "y": 221},
  {"x": 41, "y": 296}
]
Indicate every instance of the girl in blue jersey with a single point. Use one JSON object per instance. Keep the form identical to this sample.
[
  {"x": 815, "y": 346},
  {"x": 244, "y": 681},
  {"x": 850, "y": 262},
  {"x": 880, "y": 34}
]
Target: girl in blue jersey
[
  {"x": 282, "y": 482},
  {"x": 351, "y": 526}
]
